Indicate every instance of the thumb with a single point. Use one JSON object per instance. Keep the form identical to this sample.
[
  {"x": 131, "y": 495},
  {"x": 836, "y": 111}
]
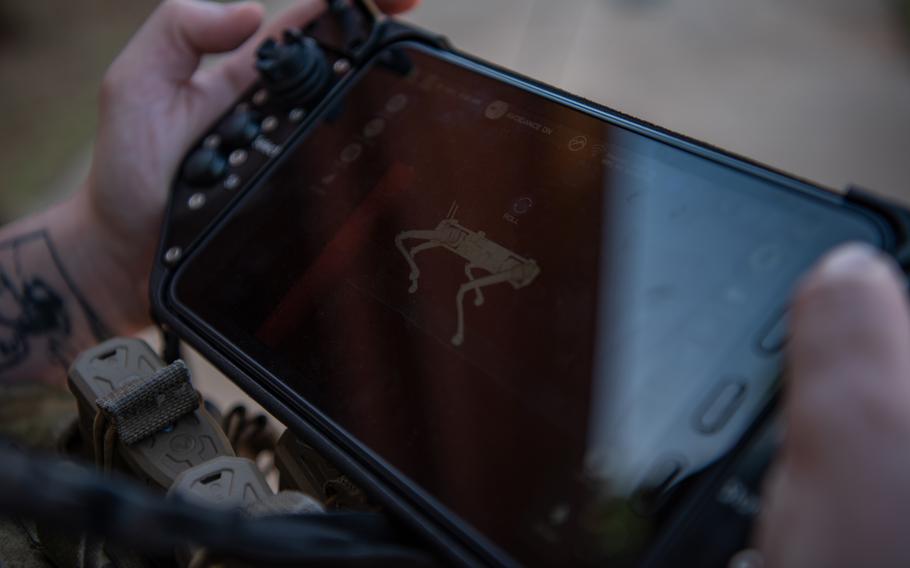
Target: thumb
[
  {"x": 838, "y": 495},
  {"x": 170, "y": 44},
  {"x": 850, "y": 340}
]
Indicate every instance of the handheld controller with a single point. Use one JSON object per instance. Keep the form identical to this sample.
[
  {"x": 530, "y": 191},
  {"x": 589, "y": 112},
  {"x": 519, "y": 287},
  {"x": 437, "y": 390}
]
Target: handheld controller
[
  {"x": 705, "y": 521},
  {"x": 295, "y": 74}
]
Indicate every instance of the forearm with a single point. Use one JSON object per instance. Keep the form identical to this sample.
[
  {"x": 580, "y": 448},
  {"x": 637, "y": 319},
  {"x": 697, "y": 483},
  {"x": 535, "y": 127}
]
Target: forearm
[{"x": 62, "y": 289}]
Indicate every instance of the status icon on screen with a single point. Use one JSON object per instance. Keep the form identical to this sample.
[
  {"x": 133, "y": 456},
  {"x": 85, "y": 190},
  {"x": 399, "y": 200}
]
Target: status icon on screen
[{"x": 496, "y": 110}]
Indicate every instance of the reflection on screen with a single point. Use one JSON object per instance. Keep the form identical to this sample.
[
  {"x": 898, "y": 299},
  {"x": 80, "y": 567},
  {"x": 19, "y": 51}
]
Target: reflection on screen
[{"x": 535, "y": 315}]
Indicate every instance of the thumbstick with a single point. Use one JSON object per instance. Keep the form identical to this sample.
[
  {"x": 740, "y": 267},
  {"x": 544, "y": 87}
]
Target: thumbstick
[
  {"x": 204, "y": 167},
  {"x": 294, "y": 71},
  {"x": 239, "y": 130}
]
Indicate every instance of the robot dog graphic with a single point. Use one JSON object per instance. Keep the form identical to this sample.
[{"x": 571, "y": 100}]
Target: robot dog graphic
[{"x": 480, "y": 253}]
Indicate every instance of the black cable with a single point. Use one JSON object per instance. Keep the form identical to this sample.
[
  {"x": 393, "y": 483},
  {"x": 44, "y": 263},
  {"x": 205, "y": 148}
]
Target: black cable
[{"x": 70, "y": 496}]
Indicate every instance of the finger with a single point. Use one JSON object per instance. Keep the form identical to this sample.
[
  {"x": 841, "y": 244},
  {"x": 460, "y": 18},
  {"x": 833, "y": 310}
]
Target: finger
[
  {"x": 836, "y": 493},
  {"x": 396, "y": 6},
  {"x": 174, "y": 38},
  {"x": 850, "y": 341},
  {"x": 227, "y": 80},
  {"x": 233, "y": 76}
]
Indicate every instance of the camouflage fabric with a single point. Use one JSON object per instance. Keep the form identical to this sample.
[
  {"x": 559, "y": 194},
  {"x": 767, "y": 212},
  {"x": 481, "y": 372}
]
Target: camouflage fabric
[
  {"x": 32, "y": 415},
  {"x": 19, "y": 547},
  {"x": 35, "y": 415}
]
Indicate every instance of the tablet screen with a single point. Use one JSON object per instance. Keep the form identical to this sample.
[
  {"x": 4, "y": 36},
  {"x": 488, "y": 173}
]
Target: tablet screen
[{"x": 535, "y": 314}]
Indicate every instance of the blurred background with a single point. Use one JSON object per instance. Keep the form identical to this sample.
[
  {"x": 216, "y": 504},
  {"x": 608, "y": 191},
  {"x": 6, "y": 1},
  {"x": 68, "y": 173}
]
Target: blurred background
[{"x": 818, "y": 88}]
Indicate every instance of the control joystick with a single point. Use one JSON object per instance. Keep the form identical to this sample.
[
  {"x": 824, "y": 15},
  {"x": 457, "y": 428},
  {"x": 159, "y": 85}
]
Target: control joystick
[
  {"x": 240, "y": 129},
  {"x": 294, "y": 71},
  {"x": 204, "y": 167}
]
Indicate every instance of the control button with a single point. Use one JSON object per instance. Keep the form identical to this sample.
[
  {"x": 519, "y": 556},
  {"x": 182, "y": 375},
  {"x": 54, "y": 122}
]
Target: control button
[
  {"x": 173, "y": 254},
  {"x": 396, "y": 103},
  {"x": 269, "y": 124},
  {"x": 578, "y": 143},
  {"x": 212, "y": 141},
  {"x": 196, "y": 201},
  {"x": 775, "y": 334},
  {"x": 739, "y": 498},
  {"x": 720, "y": 406},
  {"x": 260, "y": 97},
  {"x": 239, "y": 130},
  {"x": 237, "y": 158},
  {"x": 296, "y": 114},
  {"x": 747, "y": 558},
  {"x": 232, "y": 182},
  {"x": 341, "y": 66},
  {"x": 204, "y": 167},
  {"x": 374, "y": 128},
  {"x": 295, "y": 70},
  {"x": 265, "y": 146},
  {"x": 351, "y": 152}
]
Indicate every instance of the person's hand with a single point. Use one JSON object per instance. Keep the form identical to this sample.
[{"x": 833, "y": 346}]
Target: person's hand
[
  {"x": 839, "y": 494},
  {"x": 155, "y": 101}
]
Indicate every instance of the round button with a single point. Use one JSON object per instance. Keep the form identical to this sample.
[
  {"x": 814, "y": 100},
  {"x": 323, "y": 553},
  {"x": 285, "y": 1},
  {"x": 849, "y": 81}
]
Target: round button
[
  {"x": 748, "y": 558},
  {"x": 232, "y": 182},
  {"x": 237, "y": 157},
  {"x": 296, "y": 114},
  {"x": 351, "y": 152},
  {"x": 260, "y": 97},
  {"x": 374, "y": 128},
  {"x": 204, "y": 167},
  {"x": 239, "y": 130},
  {"x": 212, "y": 141},
  {"x": 269, "y": 124},
  {"x": 341, "y": 66},
  {"x": 196, "y": 201},
  {"x": 396, "y": 103}
]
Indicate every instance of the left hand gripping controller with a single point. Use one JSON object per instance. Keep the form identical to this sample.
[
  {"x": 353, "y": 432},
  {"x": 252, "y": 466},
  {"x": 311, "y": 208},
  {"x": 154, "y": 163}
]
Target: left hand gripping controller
[{"x": 294, "y": 76}]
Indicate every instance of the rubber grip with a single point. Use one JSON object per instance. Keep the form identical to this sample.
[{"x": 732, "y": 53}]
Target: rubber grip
[{"x": 159, "y": 459}]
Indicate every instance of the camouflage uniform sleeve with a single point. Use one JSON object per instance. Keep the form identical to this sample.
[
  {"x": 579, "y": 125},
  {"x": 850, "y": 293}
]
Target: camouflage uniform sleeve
[
  {"x": 35, "y": 415},
  {"x": 32, "y": 415}
]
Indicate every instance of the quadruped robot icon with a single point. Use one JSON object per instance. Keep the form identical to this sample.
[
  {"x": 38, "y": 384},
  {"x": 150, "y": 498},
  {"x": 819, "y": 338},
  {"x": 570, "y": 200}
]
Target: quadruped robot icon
[{"x": 481, "y": 253}]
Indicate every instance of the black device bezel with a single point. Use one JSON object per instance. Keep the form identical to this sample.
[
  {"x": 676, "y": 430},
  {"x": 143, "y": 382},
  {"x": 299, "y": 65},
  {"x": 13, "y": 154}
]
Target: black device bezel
[{"x": 454, "y": 539}]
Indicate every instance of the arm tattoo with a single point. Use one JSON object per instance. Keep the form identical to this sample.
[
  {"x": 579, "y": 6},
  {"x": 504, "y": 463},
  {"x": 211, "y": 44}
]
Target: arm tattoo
[{"x": 41, "y": 309}]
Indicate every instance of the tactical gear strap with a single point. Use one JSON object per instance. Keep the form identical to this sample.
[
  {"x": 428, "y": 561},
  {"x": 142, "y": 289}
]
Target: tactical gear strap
[{"x": 144, "y": 407}]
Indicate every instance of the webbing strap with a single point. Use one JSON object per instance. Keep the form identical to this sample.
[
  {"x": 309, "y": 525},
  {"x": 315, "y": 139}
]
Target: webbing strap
[{"x": 146, "y": 406}]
